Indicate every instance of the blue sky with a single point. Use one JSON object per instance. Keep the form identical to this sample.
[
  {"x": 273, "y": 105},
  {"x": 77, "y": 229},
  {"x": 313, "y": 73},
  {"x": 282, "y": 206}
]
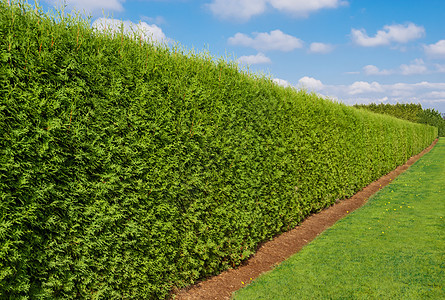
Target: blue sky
[{"x": 353, "y": 51}]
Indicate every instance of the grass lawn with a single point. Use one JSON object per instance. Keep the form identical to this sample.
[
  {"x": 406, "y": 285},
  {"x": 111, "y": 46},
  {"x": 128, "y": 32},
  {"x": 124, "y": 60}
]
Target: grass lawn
[{"x": 391, "y": 248}]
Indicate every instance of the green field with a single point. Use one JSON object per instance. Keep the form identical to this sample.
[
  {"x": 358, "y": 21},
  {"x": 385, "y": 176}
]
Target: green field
[{"x": 392, "y": 248}]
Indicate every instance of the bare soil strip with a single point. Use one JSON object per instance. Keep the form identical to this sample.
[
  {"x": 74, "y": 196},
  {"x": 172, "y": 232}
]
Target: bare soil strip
[{"x": 283, "y": 246}]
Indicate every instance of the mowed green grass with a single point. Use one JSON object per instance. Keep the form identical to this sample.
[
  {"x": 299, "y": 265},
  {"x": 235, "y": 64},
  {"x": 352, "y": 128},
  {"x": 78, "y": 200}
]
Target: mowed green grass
[{"x": 391, "y": 248}]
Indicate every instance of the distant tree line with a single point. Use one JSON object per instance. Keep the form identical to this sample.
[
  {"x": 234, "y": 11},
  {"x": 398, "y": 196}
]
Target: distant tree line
[{"x": 411, "y": 112}]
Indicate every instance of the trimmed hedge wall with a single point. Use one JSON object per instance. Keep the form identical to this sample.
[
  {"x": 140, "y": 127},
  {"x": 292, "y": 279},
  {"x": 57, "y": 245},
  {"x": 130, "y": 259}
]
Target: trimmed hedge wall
[
  {"x": 128, "y": 169},
  {"x": 409, "y": 111}
]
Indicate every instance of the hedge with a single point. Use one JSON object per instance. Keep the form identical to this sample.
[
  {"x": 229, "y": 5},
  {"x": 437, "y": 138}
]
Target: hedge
[{"x": 411, "y": 112}]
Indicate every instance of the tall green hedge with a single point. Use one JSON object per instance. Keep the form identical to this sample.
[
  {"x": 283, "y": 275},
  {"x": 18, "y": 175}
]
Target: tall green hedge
[
  {"x": 128, "y": 169},
  {"x": 409, "y": 111}
]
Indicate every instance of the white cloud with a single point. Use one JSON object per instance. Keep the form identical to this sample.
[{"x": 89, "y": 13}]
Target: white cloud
[
  {"x": 417, "y": 67},
  {"x": 390, "y": 33},
  {"x": 260, "y": 58},
  {"x": 437, "y": 94},
  {"x": 436, "y": 50},
  {"x": 320, "y": 48},
  {"x": 275, "y": 40},
  {"x": 304, "y": 7},
  {"x": 373, "y": 70},
  {"x": 429, "y": 94},
  {"x": 243, "y": 10},
  {"x": 147, "y": 32},
  {"x": 360, "y": 87},
  {"x": 282, "y": 82},
  {"x": 310, "y": 83},
  {"x": 91, "y": 5}
]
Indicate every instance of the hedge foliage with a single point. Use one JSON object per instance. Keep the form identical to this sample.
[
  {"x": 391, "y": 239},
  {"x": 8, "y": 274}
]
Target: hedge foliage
[
  {"x": 128, "y": 168},
  {"x": 409, "y": 111}
]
